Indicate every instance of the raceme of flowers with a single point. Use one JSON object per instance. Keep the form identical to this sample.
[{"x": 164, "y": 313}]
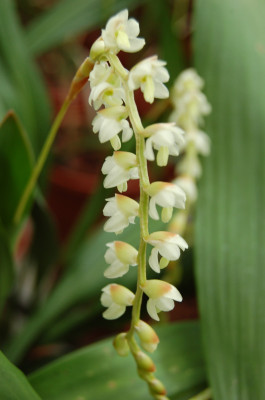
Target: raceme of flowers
[
  {"x": 117, "y": 120},
  {"x": 190, "y": 105}
]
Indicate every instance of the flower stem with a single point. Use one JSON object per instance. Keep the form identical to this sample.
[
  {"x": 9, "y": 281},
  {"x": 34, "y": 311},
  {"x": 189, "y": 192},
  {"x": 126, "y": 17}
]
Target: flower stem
[
  {"x": 143, "y": 182},
  {"x": 40, "y": 163}
]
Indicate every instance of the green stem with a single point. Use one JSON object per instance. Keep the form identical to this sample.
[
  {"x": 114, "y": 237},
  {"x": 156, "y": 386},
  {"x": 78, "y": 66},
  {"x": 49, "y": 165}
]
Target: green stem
[
  {"x": 144, "y": 182},
  {"x": 40, "y": 162}
]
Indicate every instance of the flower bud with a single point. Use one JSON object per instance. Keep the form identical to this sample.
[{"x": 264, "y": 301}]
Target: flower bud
[
  {"x": 121, "y": 345},
  {"x": 156, "y": 387},
  {"x": 145, "y": 375},
  {"x": 144, "y": 362},
  {"x": 148, "y": 338},
  {"x": 97, "y": 48}
]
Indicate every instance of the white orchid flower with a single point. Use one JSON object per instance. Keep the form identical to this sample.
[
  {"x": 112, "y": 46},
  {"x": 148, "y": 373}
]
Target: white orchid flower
[
  {"x": 166, "y": 195},
  {"x": 116, "y": 298},
  {"x": 188, "y": 185},
  {"x": 109, "y": 122},
  {"x": 120, "y": 168},
  {"x": 161, "y": 297},
  {"x": 168, "y": 245},
  {"x": 121, "y": 34},
  {"x": 106, "y": 87},
  {"x": 150, "y": 75},
  {"x": 120, "y": 255},
  {"x": 164, "y": 137},
  {"x": 122, "y": 211}
]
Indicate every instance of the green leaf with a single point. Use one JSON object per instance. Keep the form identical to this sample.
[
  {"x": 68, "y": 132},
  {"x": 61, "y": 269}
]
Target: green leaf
[
  {"x": 69, "y": 18},
  {"x": 22, "y": 89},
  {"x": 13, "y": 384},
  {"x": 6, "y": 269},
  {"x": 98, "y": 373},
  {"x": 16, "y": 161},
  {"x": 230, "y": 229}
]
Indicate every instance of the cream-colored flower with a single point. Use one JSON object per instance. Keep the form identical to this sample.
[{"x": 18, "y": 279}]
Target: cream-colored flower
[
  {"x": 168, "y": 245},
  {"x": 121, "y": 34},
  {"x": 150, "y": 75},
  {"x": 122, "y": 211},
  {"x": 188, "y": 185},
  {"x": 120, "y": 255},
  {"x": 106, "y": 87},
  {"x": 116, "y": 298},
  {"x": 109, "y": 122},
  {"x": 120, "y": 168},
  {"x": 164, "y": 137},
  {"x": 166, "y": 195},
  {"x": 161, "y": 297}
]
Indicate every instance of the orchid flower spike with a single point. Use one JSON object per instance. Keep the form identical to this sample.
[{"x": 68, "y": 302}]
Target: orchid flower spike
[
  {"x": 109, "y": 122},
  {"x": 120, "y": 255},
  {"x": 166, "y": 195},
  {"x": 122, "y": 211},
  {"x": 168, "y": 245},
  {"x": 120, "y": 168},
  {"x": 121, "y": 34},
  {"x": 161, "y": 297},
  {"x": 116, "y": 298},
  {"x": 164, "y": 137},
  {"x": 150, "y": 75}
]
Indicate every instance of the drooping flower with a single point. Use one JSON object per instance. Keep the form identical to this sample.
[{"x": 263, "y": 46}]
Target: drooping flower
[
  {"x": 106, "y": 86},
  {"x": 150, "y": 75},
  {"x": 164, "y": 137},
  {"x": 116, "y": 298},
  {"x": 148, "y": 338},
  {"x": 120, "y": 256},
  {"x": 122, "y": 211},
  {"x": 168, "y": 245},
  {"x": 166, "y": 195},
  {"x": 161, "y": 297},
  {"x": 121, "y": 34},
  {"x": 200, "y": 140},
  {"x": 109, "y": 122},
  {"x": 120, "y": 168}
]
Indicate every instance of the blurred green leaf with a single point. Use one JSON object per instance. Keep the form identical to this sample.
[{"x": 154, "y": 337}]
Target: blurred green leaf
[
  {"x": 230, "y": 230},
  {"x": 22, "y": 89},
  {"x": 44, "y": 247},
  {"x": 69, "y": 18},
  {"x": 13, "y": 383},
  {"x": 16, "y": 161},
  {"x": 6, "y": 269},
  {"x": 98, "y": 373}
]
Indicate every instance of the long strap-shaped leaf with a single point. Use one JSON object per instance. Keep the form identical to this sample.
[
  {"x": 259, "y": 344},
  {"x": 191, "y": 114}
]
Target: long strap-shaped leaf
[
  {"x": 230, "y": 233},
  {"x": 98, "y": 373},
  {"x": 13, "y": 383}
]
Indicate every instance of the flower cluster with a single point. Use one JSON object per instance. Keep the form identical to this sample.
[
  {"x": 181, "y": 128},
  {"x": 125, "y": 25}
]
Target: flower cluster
[
  {"x": 117, "y": 120},
  {"x": 190, "y": 106}
]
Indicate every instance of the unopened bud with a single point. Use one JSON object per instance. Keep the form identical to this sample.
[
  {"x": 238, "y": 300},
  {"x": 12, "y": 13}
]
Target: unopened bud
[
  {"x": 148, "y": 338},
  {"x": 97, "y": 48},
  {"x": 144, "y": 362},
  {"x": 145, "y": 375},
  {"x": 80, "y": 78},
  {"x": 160, "y": 397},
  {"x": 121, "y": 345},
  {"x": 157, "y": 387}
]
